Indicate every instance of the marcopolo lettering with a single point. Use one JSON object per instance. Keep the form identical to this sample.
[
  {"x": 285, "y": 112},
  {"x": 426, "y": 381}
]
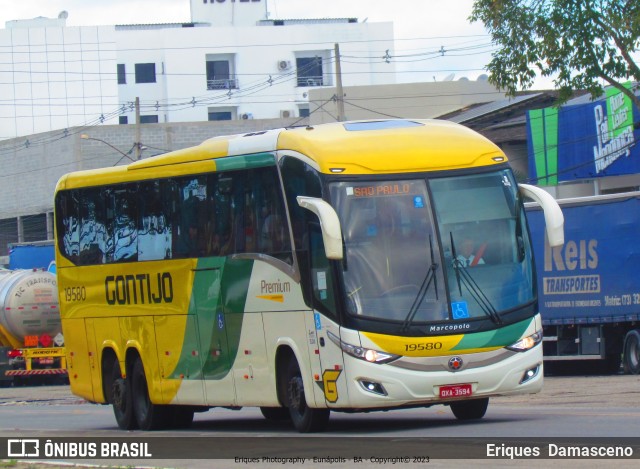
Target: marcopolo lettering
[{"x": 139, "y": 289}]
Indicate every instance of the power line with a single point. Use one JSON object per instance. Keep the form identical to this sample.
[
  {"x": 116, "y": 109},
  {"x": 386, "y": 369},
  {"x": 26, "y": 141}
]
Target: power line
[{"x": 52, "y": 46}]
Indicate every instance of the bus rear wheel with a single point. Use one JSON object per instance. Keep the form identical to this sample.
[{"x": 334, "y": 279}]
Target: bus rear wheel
[
  {"x": 149, "y": 416},
  {"x": 305, "y": 419},
  {"x": 470, "y": 410},
  {"x": 631, "y": 357},
  {"x": 120, "y": 399}
]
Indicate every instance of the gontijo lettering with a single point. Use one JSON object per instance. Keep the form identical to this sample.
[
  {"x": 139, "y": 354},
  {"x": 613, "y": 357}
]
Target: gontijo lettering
[{"x": 138, "y": 289}]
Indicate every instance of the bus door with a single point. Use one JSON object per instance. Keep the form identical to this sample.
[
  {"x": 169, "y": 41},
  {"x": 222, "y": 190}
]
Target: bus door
[
  {"x": 330, "y": 376},
  {"x": 179, "y": 358},
  {"x": 212, "y": 325}
]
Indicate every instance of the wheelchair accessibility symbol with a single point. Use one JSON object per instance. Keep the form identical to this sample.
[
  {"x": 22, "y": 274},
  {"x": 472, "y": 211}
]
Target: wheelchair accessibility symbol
[
  {"x": 460, "y": 310},
  {"x": 220, "y": 321}
]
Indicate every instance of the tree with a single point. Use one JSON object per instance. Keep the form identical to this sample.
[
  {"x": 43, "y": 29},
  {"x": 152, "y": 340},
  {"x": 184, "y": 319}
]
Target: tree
[{"x": 580, "y": 43}]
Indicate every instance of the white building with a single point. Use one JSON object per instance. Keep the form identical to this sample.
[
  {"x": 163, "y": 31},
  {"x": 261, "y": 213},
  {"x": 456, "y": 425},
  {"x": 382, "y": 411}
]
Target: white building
[{"x": 230, "y": 62}]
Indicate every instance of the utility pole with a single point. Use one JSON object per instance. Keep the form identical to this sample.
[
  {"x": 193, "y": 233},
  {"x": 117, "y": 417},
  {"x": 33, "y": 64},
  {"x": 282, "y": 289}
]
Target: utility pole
[
  {"x": 137, "y": 142},
  {"x": 339, "y": 92}
]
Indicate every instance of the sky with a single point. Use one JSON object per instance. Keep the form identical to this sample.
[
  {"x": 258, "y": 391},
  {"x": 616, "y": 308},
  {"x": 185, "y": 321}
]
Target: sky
[{"x": 422, "y": 28}]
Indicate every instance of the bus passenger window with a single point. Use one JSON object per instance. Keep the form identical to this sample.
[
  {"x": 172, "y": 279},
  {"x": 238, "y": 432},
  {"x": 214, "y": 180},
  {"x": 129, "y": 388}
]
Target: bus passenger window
[
  {"x": 321, "y": 273},
  {"x": 221, "y": 214},
  {"x": 154, "y": 228},
  {"x": 190, "y": 240},
  {"x": 68, "y": 227},
  {"x": 272, "y": 233},
  {"x": 123, "y": 244},
  {"x": 93, "y": 232},
  {"x": 274, "y": 238}
]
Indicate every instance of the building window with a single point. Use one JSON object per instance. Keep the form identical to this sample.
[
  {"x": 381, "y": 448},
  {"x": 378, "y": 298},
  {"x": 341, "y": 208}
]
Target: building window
[
  {"x": 220, "y": 72},
  {"x": 123, "y": 120},
  {"x": 220, "y": 115},
  {"x": 8, "y": 234},
  {"x": 34, "y": 227},
  {"x": 146, "y": 73},
  {"x": 303, "y": 111},
  {"x": 309, "y": 71},
  {"x": 122, "y": 75},
  {"x": 148, "y": 119}
]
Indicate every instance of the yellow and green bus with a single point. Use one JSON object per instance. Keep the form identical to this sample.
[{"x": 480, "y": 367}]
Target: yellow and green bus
[{"x": 302, "y": 271}]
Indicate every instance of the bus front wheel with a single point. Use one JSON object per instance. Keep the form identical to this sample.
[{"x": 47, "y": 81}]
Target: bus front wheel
[
  {"x": 305, "y": 419},
  {"x": 120, "y": 399},
  {"x": 470, "y": 410},
  {"x": 149, "y": 416}
]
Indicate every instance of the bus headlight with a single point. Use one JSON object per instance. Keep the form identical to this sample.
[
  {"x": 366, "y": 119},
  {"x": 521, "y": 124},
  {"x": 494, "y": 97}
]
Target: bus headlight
[
  {"x": 526, "y": 343},
  {"x": 370, "y": 355}
]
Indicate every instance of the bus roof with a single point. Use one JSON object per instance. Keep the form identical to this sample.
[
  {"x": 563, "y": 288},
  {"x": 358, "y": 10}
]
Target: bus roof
[{"x": 362, "y": 147}]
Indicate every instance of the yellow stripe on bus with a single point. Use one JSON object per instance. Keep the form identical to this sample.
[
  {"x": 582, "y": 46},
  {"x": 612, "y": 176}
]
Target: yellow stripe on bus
[
  {"x": 422, "y": 346},
  {"x": 278, "y": 298}
]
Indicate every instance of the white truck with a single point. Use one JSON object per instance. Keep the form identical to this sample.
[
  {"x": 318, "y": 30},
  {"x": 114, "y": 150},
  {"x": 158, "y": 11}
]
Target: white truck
[{"x": 31, "y": 341}]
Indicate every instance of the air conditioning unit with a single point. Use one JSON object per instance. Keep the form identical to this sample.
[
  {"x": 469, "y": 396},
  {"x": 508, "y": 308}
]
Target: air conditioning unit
[
  {"x": 246, "y": 115},
  {"x": 286, "y": 113},
  {"x": 284, "y": 65}
]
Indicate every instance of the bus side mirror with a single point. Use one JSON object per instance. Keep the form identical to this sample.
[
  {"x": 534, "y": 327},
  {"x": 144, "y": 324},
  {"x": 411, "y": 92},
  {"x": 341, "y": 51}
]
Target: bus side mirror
[
  {"x": 329, "y": 224},
  {"x": 553, "y": 218}
]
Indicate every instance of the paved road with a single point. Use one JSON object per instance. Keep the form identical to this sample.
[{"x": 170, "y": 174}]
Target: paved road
[
  {"x": 558, "y": 391},
  {"x": 567, "y": 407}
]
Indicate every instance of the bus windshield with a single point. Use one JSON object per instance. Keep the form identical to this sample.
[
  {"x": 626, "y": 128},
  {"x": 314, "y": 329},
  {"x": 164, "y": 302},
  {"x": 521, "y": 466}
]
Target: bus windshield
[
  {"x": 488, "y": 255},
  {"x": 458, "y": 251},
  {"x": 391, "y": 265}
]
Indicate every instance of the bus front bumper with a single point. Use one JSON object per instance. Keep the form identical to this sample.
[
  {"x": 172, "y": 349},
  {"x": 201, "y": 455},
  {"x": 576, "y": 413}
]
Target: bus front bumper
[{"x": 436, "y": 380}]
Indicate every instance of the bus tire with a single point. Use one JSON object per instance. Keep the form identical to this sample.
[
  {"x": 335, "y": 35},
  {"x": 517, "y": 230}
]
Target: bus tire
[
  {"x": 120, "y": 399},
  {"x": 470, "y": 410},
  {"x": 275, "y": 414},
  {"x": 631, "y": 358},
  {"x": 305, "y": 419},
  {"x": 149, "y": 416}
]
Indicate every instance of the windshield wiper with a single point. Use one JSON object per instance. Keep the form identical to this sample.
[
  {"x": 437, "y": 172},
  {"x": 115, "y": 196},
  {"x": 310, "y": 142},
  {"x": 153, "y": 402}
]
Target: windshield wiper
[
  {"x": 424, "y": 288},
  {"x": 464, "y": 278}
]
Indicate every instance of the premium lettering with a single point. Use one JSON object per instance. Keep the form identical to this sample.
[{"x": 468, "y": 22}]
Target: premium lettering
[
  {"x": 275, "y": 287},
  {"x": 139, "y": 289}
]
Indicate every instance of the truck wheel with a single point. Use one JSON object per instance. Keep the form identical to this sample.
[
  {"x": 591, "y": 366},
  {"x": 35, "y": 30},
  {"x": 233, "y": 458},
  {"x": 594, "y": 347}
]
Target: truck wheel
[
  {"x": 120, "y": 399},
  {"x": 632, "y": 352},
  {"x": 149, "y": 416},
  {"x": 470, "y": 410},
  {"x": 305, "y": 419}
]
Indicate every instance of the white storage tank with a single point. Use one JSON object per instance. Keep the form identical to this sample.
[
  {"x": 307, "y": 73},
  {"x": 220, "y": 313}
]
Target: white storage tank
[{"x": 29, "y": 303}]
